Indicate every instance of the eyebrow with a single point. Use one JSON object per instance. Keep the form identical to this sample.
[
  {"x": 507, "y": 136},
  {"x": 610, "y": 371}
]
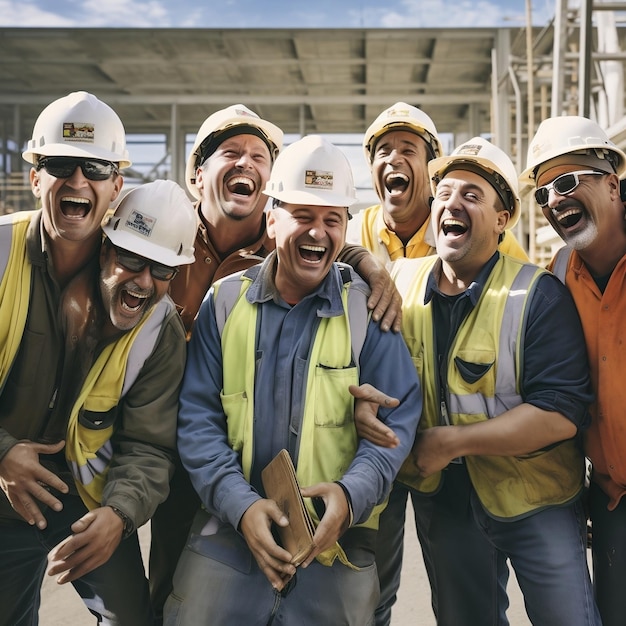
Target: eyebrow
[
  {"x": 405, "y": 142},
  {"x": 464, "y": 186}
]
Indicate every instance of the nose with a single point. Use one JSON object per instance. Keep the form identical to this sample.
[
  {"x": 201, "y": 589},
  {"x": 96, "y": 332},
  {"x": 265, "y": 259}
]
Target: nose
[
  {"x": 554, "y": 198},
  {"x": 244, "y": 160},
  {"x": 144, "y": 278},
  {"x": 454, "y": 200},
  {"x": 77, "y": 178},
  {"x": 392, "y": 157},
  {"x": 317, "y": 230}
]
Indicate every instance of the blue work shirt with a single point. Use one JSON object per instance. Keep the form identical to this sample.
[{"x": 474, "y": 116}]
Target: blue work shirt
[
  {"x": 555, "y": 369},
  {"x": 284, "y": 338}
]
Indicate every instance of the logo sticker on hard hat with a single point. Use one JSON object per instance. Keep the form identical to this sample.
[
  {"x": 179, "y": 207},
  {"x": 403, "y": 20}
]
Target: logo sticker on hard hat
[
  {"x": 318, "y": 180},
  {"x": 469, "y": 148},
  {"x": 78, "y": 131},
  {"x": 397, "y": 113},
  {"x": 143, "y": 224}
]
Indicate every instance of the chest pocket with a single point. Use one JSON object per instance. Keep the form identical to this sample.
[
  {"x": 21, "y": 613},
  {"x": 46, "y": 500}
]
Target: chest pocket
[
  {"x": 333, "y": 402},
  {"x": 472, "y": 372}
]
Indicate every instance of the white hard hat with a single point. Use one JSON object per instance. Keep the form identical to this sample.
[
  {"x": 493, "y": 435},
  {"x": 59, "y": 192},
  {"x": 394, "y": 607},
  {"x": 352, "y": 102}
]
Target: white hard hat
[
  {"x": 493, "y": 164},
  {"x": 402, "y": 116},
  {"x": 232, "y": 116},
  {"x": 156, "y": 221},
  {"x": 572, "y": 134},
  {"x": 79, "y": 125},
  {"x": 312, "y": 171}
]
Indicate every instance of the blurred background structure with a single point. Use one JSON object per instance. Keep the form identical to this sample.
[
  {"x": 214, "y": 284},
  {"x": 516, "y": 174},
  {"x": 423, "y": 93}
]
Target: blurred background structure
[{"x": 496, "y": 82}]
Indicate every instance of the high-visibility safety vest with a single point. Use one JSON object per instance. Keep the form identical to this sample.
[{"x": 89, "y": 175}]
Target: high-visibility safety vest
[
  {"x": 88, "y": 448},
  {"x": 324, "y": 453},
  {"x": 491, "y": 341},
  {"x": 15, "y": 273},
  {"x": 93, "y": 420}
]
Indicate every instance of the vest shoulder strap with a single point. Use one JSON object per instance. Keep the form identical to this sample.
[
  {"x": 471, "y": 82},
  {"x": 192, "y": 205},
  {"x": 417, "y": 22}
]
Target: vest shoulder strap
[
  {"x": 146, "y": 340},
  {"x": 561, "y": 261},
  {"x": 7, "y": 228},
  {"x": 229, "y": 291},
  {"x": 6, "y": 234}
]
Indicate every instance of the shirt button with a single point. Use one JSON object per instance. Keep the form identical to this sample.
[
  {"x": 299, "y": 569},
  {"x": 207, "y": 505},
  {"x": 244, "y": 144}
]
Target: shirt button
[{"x": 207, "y": 259}]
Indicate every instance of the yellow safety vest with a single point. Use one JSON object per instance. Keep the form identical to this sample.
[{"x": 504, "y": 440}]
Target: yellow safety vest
[
  {"x": 15, "y": 272},
  {"x": 91, "y": 423},
  {"x": 328, "y": 439},
  {"x": 491, "y": 335},
  {"x": 93, "y": 419}
]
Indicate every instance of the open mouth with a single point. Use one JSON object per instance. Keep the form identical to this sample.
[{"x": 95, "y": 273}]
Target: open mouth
[
  {"x": 396, "y": 183},
  {"x": 132, "y": 301},
  {"x": 75, "y": 208},
  {"x": 312, "y": 254},
  {"x": 452, "y": 226},
  {"x": 241, "y": 185},
  {"x": 569, "y": 217}
]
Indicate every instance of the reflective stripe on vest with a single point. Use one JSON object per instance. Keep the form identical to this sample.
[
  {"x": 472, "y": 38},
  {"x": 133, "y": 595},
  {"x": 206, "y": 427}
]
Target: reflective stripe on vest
[
  {"x": 88, "y": 448},
  {"x": 561, "y": 262},
  {"x": 15, "y": 279},
  {"x": 492, "y": 336},
  {"x": 327, "y": 396}
]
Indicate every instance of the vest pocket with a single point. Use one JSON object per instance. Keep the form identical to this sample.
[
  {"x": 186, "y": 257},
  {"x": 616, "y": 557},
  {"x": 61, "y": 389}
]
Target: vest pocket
[
  {"x": 473, "y": 366},
  {"x": 334, "y": 405},
  {"x": 97, "y": 420},
  {"x": 235, "y": 408}
]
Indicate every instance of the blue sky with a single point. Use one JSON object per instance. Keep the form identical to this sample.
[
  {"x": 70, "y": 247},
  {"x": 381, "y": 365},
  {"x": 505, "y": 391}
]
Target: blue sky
[{"x": 272, "y": 13}]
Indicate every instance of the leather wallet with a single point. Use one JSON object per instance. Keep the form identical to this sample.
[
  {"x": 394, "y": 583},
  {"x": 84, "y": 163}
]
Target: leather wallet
[{"x": 281, "y": 485}]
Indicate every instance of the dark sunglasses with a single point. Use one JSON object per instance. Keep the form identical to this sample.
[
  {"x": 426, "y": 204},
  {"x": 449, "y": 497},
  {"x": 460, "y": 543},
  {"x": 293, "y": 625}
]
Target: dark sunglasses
[
  {"x": 64, "y": 167},
  {"x": 133, "y": 263},
  {"x": 563, "y": 185}
]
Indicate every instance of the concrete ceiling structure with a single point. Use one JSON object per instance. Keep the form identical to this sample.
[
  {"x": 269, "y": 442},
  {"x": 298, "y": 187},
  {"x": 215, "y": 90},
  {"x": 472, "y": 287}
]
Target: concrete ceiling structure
[
  {"x": 305, "y": 81},
  {"x": 167, "y": 81}
]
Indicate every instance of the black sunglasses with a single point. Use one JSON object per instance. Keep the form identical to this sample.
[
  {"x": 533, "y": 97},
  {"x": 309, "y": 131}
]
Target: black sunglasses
[
  {"x": 64, "y": 167},
  {"x": 563, "y": 185},
  {"x": 133, "y": 263}
]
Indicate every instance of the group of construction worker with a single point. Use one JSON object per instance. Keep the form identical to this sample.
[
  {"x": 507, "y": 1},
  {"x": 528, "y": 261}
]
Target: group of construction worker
[{"x": 156, "y": 353}]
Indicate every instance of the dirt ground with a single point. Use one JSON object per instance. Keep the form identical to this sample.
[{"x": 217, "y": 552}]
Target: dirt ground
[{"x": 61, "y": 606}]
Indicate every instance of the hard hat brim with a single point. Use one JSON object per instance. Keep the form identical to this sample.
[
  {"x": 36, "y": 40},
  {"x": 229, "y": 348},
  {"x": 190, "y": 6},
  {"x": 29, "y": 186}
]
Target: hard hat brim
[
  {"x": 74, "y": 150},
  {"x": 146, "y": 249},
  {"x": 313, "y": 199}
]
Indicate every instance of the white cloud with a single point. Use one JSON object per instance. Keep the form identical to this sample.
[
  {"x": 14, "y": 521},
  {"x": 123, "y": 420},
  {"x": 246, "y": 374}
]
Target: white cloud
[
  {"x": 25, "y": 14},
  {"x": 284, "y": 13}
]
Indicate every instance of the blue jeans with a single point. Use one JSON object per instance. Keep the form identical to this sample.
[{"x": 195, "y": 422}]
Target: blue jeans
[
  {"x": 468, "y": 561},
  {"x": 218, "y": 582},
  {"x": 609, "y": 556},
  {"x": 116, "y": 593},
  {"x": 390, "y": 547}
]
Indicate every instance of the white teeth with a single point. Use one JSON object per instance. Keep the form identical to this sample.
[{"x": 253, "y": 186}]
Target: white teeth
[
  {"x": 313, "y": 248},
  {"x": 241, "y": 180},
  {"x": 565, "y": 214},
  {"x": 75, "y": 200},
  {"x": 451, "y": 222},
  {"x": 400, "y": 175},
  {"x": 135, "y": 294}
]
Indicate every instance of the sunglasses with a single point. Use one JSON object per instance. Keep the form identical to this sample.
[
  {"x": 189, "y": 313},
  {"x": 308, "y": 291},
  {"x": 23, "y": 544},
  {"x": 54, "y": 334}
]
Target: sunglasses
[
  {"x": 134, "y": 263},
  {"x": 563, "y": 185},
  {"x": 64, "y": 167}
]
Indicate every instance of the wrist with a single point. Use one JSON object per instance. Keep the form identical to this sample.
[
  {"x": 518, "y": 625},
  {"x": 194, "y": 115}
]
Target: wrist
[{"x": 127, "y": 524}]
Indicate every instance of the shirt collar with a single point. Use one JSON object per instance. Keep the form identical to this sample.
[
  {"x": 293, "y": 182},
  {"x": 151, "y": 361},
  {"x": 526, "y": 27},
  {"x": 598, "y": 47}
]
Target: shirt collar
[
  {"x": 263, "y": 288},
  {"x": 473, "y": 292}
]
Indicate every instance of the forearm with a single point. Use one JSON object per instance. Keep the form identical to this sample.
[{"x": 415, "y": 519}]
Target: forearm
[
  {"x": 522, "y": 430},
  {"x": 138, "y": 480},
  {"x": 354, "y": 255}
]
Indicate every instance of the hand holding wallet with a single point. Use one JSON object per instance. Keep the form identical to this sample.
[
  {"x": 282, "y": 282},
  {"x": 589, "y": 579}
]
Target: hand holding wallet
[{"x": 281, "y": 485}]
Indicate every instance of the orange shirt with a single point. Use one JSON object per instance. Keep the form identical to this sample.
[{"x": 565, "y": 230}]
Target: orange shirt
[{"x": 603, "y": 316}]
